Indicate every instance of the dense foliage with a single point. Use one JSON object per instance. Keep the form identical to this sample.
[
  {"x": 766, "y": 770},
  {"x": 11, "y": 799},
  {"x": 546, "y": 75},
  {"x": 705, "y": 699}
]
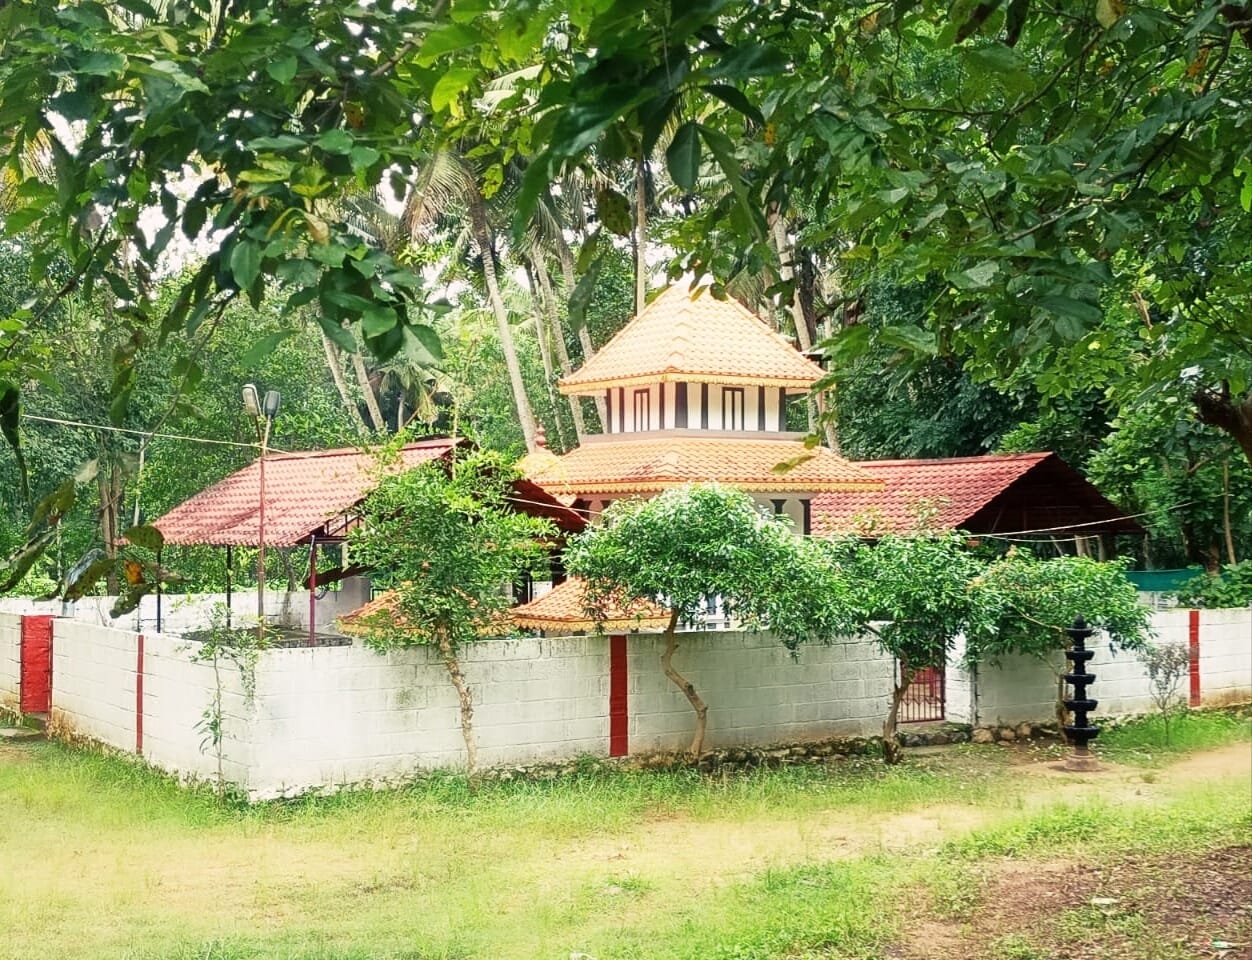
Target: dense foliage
[{"x": 1232, "y": 587}]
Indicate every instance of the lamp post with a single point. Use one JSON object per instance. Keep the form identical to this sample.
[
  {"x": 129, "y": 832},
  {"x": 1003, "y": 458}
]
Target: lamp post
[{"x": 263, "y": 411}]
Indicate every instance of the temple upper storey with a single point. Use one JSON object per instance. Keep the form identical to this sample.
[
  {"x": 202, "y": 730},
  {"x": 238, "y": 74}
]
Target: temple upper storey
[{"x": 695, "y": 363}]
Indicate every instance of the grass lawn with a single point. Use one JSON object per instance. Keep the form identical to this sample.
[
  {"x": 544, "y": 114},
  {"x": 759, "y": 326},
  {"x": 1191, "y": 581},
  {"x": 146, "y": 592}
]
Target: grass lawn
[{"x": 100, "y": 858}]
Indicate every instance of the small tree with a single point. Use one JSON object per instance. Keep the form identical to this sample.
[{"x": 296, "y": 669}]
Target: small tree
[
  {"x": 912, "y": 595},
  {"x": 1025, "y": 604},
  {"x": 1167, "y": 664},
  {"x": 692, "y": 544},
  {"x": 447, "y": 542}
]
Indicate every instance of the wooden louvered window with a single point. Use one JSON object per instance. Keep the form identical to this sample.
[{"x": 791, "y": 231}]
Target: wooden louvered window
[
  {"x": 643, "y": 410},
  {"x": 733, "y": 409}
]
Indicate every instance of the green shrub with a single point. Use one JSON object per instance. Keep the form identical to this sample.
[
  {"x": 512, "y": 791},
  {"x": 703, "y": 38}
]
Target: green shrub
[{"x": 1230, "y": 588}]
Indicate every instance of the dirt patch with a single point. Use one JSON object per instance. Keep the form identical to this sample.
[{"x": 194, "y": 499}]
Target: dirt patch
[
  {"x": 12, "y": 754},
  {"x": 1180, "y": 907}
]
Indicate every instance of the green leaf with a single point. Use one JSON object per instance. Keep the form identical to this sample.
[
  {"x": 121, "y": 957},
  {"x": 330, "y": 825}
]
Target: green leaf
[
  {"x": 283, "y": 69},
  {"x": 377, "y": 320},
  {"x": 101, "y": 64},
  {"x": 910, "y": 337},
  {"x": 146, "y": 536},
  {"x": 335, "y": 141},
  {"x": 363, "y": 158},
  {"x": 1073, "y": 316},
  {"x": 448, "y": 39},
  {"x": 683, "y": 156},
  {"x": 280, "y": 143},
  {"x": 748, "y": 60},
  {"x": 428, "y": 340},
  {"x": 245, "y": 262},
  {"x": 977, "y": 277},
  {"x": 262, "y": 348},
  {"x": 613, "y": 209},
  {"x": 449, "y": 87},
  {"x": 18, "y": 565},
  {"x": 734, "y": 97},
  {"x": 583, "y": 291}
]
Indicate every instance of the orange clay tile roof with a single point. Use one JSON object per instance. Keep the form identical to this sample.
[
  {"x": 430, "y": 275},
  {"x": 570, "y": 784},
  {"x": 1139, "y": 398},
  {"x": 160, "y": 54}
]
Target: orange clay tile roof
[
  {"x": 303, "y": 492},
  {"x": 700, "y": 339},
  {"x": 382, "y": 612},
  {"x": 564, "y": 609},
  {"x": 654, "y": 462},
  {"x": 979, "y": 494}
]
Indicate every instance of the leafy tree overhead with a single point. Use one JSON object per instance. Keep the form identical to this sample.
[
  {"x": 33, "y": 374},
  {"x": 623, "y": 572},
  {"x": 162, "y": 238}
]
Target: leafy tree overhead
[
  {"x": 446, "y": 542},
  {"x": 691, "y": 545},
  {"x": 1060, "y": 172}
]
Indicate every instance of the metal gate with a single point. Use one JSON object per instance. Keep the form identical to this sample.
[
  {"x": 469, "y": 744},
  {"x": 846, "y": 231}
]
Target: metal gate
[
  {"x": 36, "y": 674},
  {"x": 923, "y": 700}
]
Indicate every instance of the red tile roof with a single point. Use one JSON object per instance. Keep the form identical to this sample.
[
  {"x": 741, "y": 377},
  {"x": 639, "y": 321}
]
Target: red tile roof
[
  {"x": 986, "y": 494},
  {"x": 639, "y": 463},
  {"x": 564, "y": 609},
  {"x": 698, "y": 339},
  {"x": 382, "y": 614},
  {"x": 303, "y": 492}
]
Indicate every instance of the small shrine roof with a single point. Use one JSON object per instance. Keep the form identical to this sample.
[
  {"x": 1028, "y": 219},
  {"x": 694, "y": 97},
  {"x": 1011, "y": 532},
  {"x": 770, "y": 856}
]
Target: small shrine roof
[
  {"x": 564, "y": 609},
  {"x": 648, "y": 463},
  {"x": 698, "y": 338}
]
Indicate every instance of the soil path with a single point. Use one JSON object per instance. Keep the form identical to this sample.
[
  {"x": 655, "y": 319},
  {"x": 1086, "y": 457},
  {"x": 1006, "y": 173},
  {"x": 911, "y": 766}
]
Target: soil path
[{"x": 693, "y": 850}]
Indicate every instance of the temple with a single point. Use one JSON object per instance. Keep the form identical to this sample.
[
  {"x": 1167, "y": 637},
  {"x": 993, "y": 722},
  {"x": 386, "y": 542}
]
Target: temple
[{"x": 697, "y": 389}]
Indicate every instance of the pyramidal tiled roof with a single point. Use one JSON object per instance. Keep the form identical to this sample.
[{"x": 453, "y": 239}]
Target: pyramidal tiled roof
[
  {"x": 563, "y": 609},
  {"x": 695, "y": 338},
  {"x": 649, "y": 463}
]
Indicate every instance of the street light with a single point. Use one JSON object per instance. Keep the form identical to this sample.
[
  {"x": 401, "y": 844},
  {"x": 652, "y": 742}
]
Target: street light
[{"x": 261, "y": 410}]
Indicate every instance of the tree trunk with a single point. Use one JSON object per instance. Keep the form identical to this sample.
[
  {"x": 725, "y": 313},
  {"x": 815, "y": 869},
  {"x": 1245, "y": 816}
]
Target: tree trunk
[
  {"x": 641, "y": 233},
  {"x": 336, "y": 374},
  {"x": 565, "y": 257},
  {"x": 892, "y": 752},
  {"x": 683, "y": 684},
  {"x": 367, "y": 390},
  {"x": 799, "y": 318},
  {"x": 482, "y": 237},
  {"x": 1234, "y": 416},
  {"x": 467, "y": 703},
  {"x": 545, "y": 349},
  {"x": 1230, "y": 540},
  {"x": 558, "y": 341}
]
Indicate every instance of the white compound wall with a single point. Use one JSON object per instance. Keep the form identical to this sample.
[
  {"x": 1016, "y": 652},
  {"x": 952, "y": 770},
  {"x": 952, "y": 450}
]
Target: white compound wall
[
  {"x": 10, "y": 660},
  {"x": 322, "y": 717}
]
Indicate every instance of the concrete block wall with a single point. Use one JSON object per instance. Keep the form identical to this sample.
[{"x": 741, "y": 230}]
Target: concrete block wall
[
  {"x": 1225, "y": 656},
  {"x": 93, "y": 681},
  {"x": 756, "y": 691},
  {"x": 1022, "y": 688},
  {"x": 10, "y": 659},
  {"x": 333, "y": 715},
  {"x": 178, "y": 693}
]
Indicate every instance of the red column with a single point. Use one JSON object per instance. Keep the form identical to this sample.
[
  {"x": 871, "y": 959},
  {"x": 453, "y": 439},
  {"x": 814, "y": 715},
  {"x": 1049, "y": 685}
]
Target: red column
[
  {"x": 619, "y": 715},
  {"x": 1193, "y": 638}
]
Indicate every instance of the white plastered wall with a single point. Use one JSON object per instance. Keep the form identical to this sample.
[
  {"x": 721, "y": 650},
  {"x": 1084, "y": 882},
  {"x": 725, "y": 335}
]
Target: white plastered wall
[{"x": 10, "y": 660}]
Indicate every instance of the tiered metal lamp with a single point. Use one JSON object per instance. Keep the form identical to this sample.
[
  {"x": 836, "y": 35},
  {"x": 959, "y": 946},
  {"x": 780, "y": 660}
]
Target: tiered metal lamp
[{"x": 1080, "y": 731}]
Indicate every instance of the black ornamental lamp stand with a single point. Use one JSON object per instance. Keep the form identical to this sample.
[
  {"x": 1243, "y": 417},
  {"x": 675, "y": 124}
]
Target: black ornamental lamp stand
[{"x": 1080, "y": 732}]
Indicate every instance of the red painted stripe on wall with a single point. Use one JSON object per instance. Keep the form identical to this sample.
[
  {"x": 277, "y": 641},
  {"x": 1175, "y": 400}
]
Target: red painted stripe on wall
[
  {"x": 1193, "y": 637},
  {"x": 139, "y": 696},
  {"x": 619, "y": 715}
]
